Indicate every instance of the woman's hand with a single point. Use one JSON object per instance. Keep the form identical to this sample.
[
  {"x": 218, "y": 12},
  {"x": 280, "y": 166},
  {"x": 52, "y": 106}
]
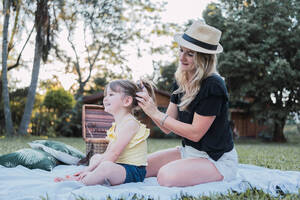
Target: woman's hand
[{"x": 146, "y": 102}]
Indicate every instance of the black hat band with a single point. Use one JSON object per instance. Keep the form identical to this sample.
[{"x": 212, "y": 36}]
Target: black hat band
[{"x": 199, "y": 43}]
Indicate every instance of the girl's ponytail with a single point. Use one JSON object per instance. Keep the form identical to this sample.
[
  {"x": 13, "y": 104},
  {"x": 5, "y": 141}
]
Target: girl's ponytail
[{"x": 150, "y": 87}]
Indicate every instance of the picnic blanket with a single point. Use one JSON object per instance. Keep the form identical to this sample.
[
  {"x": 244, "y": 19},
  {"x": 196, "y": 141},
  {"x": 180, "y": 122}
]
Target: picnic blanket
[{"x": 20, "y": 183}]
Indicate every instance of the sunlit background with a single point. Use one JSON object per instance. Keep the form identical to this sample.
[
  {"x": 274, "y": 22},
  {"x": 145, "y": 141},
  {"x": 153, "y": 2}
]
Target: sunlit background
[{"x": 176, "y": 11}]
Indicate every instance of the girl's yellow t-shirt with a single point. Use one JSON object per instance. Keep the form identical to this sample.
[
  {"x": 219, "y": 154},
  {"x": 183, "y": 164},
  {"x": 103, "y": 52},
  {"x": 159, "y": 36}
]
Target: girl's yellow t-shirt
[{"x": 135, "y": 153}]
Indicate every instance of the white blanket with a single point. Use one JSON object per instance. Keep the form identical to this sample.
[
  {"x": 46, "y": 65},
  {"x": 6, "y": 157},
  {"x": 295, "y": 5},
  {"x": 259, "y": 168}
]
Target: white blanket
[{"x": 21, "y": 183}]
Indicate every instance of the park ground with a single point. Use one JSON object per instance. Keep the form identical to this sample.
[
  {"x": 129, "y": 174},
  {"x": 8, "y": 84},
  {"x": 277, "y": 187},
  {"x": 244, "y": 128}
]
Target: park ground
[{"x": 283, "y": 156}]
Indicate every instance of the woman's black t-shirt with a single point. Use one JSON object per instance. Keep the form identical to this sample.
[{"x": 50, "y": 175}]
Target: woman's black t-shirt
[{"x": 211, "y": 100}]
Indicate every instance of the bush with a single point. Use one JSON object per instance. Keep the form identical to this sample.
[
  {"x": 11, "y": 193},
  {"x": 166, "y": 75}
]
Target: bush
[
  {"x": 54, "y": 113},
  {"x": 157, "y": 133},
  {"x": 59, "y": 100}
]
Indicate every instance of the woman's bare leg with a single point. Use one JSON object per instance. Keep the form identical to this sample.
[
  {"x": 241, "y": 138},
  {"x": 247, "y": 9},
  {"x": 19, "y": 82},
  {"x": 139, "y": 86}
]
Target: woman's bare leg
[
  {"x": 188, "y": 172},
  {"x": 160, "y": 158}
]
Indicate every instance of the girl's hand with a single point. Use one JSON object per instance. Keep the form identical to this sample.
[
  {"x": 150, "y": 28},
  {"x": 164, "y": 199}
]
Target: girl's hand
[
  {"x": 146, "y": 102},
  {"x": 78, "y": 174},
  {"x": 81, "y": 176}
]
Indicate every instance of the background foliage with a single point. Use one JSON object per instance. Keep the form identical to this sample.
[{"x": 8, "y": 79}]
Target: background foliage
[{"x": 261, "y": 57}]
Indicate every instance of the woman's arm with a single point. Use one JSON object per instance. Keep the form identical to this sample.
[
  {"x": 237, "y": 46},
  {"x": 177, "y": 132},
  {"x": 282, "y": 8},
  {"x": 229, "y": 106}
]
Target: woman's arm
[
  {"x": 172, "y": 112},
  {"x": 193, "y": 132}
]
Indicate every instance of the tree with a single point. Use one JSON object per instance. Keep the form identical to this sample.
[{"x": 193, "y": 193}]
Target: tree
[
  {"x": 166, "y": 76},
  {"x": 42, "y": 26},
  {"x": 5, "y": 93},
  {"x": 261, "y": 56},
  {"x": 106, "y": 27},
  {"x": 11, "y": 48}
]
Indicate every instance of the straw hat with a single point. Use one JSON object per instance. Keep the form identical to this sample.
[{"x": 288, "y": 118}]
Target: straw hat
[{"x": 201, "y": 37}]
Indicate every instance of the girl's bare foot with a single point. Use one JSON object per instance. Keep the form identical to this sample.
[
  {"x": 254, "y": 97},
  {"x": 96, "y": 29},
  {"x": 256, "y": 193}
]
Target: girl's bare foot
[{"x": 66, "y": 178}]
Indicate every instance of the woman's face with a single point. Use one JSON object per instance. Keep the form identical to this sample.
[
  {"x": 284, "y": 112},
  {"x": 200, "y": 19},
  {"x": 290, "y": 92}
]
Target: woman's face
[{"x": 186, "y": 58}]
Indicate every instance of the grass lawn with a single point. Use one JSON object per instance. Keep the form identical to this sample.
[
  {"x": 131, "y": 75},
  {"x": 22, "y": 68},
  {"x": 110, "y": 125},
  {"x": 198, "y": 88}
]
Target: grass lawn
[{"x": 277, "y": 156}]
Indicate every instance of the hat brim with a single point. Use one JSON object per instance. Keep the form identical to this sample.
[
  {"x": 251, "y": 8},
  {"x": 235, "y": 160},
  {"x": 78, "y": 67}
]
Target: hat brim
[{"x": 182, "y": 42}]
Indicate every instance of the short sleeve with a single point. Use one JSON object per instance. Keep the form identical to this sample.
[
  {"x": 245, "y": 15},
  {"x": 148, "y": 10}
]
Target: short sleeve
[
  {"x": 211, "y": 98},
  {"x": 210, "y": 106},
  {"x": 213, "y": 87},
  {"x": 140, "y": 136},
  {"x": 110, "y": 134}
]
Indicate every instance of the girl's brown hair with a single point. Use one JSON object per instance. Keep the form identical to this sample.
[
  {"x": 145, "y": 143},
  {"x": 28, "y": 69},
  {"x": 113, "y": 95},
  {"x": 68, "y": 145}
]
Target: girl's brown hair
[{"x": 129, "y": 88}]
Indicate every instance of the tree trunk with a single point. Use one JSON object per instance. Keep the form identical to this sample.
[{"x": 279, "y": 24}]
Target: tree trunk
[
  {"x": 5, "y": 93},
  {"x": 40, "y": 24},
  {"x": 278, "y": 135}
]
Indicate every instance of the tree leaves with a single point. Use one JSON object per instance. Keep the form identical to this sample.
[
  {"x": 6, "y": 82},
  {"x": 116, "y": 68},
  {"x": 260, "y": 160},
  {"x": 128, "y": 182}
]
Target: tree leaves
[{"x": 260, "y": 53}]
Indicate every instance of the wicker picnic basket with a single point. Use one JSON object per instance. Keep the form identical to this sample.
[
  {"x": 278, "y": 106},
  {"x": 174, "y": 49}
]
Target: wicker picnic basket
[{"x": 95, "y": 123}]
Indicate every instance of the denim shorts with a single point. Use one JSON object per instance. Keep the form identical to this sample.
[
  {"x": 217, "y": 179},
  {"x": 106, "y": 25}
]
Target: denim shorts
[{"x": 134, "y": 173}]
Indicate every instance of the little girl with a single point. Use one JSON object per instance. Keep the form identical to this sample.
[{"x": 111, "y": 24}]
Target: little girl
[{"x": 125, "y": 158}]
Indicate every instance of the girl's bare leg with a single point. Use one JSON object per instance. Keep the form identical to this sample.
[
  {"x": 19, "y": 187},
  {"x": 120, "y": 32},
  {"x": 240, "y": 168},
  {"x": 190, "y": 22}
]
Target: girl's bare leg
[
  {"x": 94, "y": 161},
  {"x": 160, "y": 158},
  {"x": 74, "y": 177},
  {"x": 111, "y": 171}
]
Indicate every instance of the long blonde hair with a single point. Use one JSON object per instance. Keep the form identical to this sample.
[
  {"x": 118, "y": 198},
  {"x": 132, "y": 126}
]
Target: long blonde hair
[{"x": 205, "y": 65}]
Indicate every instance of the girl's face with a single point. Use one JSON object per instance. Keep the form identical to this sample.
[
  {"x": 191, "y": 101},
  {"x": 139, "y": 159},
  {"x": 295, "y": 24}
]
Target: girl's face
[
  {"x": 113, "y": 101},
  {"x": 186, "y": 58}
]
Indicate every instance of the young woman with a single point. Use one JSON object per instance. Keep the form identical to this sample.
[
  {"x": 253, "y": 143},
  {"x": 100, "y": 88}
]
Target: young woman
[
  {"x": 125, "y": 158},
  {"x": 198, "y": 112}
]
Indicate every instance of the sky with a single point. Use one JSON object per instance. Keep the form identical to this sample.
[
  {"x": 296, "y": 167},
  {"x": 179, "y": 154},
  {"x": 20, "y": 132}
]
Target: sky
[{"x": 176, "y": 11}]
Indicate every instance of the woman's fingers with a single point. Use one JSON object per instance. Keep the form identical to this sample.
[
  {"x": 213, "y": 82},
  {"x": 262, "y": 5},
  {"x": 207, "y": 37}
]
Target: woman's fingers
[
  {"x": 142, "y": 94},
  {"x": 140, "y": 84},
  {"x": 142, "y": 100}
]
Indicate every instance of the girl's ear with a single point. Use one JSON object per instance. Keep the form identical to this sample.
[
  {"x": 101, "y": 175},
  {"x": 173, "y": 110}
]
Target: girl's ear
[{"x": 127, "y": 101}]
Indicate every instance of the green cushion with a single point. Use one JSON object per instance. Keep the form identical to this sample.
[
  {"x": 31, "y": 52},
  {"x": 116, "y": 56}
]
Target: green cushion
[
  {"x": 61, "y": 151},
  {"x": 30, "y": 158}
]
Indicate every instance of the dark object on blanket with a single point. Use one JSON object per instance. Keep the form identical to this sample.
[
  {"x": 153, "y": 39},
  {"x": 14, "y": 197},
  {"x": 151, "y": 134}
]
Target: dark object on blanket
[
  {"x": 30, "y": 158},
  {"x": 86, "y": 160},
  {"x": 95, "y": 123},
  {"x": 61, "y": 151}
]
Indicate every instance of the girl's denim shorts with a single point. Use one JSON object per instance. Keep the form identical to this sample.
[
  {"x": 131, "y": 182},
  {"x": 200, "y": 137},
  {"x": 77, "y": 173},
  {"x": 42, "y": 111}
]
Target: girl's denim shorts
[{"x": 134, "y": 173}]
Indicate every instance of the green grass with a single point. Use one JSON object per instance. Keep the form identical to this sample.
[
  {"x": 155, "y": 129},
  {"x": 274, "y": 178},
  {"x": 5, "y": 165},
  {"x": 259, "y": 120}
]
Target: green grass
[{"x": 276, "y": 156}]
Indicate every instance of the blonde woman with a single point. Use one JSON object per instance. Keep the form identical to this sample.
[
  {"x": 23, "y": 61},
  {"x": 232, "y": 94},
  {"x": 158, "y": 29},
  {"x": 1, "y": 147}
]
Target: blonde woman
[{"x": 198, "y": 112}]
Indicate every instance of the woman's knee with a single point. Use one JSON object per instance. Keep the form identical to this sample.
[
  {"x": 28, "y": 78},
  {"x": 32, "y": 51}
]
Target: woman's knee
[{"x": 165, "y": 177}]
